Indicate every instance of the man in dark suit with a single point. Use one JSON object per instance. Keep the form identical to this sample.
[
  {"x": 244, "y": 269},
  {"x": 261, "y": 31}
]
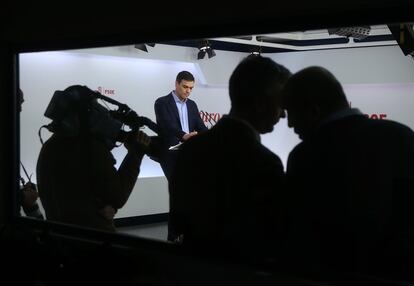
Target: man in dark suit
[
  {"x": 224, "y": 191},
  {"x": 178, "y": 119},
  {"x": 351, "y": 180}
]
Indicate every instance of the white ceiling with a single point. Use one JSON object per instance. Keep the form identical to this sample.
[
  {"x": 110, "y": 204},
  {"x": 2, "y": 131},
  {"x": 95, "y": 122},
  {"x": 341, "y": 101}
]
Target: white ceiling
[{"x": 277, "y": 40}]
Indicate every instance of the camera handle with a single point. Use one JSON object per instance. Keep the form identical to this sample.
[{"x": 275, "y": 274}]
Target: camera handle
[{"x": 135, "y": 121}]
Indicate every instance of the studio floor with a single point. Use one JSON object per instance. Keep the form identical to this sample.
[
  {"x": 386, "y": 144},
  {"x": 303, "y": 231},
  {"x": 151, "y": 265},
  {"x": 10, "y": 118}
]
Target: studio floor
[{"x": 154, "y": 231}]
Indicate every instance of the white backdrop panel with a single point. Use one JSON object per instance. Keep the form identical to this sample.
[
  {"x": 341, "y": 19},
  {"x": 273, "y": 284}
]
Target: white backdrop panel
[{"x": 138, "y": 82}]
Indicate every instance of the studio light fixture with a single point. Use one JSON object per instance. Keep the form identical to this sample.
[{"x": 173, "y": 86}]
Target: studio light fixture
[
  {"x": 359, "y": 33},
  {"x": 255, "y": 51},
  {"x": 205, "y": 48},
  {"x": 143, "y": 47},
  {"x": 404, "y": 35}
]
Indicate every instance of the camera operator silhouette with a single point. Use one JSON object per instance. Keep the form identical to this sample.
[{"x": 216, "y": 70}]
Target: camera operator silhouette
[
  {"x": 77, "y": 180},
  {"x": 28, "y": 194}
]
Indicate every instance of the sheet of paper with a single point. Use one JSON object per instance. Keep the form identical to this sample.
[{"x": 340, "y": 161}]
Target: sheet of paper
[{"x": 175, "y": 147}]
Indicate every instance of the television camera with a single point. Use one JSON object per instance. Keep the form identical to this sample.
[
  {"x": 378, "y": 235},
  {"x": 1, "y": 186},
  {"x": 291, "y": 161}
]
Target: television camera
[{"x": 76, "y": 111}]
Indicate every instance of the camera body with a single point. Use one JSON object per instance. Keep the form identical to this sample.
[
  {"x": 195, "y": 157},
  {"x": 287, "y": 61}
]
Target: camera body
[
  {"x": 28, "y": 200},
  {"x": 76, "y": 111}
]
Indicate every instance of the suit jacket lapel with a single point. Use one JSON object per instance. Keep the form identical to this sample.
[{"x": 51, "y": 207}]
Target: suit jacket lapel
[
  {"x": 173, "y": 108},
  {"x": 190, "y": 113}
]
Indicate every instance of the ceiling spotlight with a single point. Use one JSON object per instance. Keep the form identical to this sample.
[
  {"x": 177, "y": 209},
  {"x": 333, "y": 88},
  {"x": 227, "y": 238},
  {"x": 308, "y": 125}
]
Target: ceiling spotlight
[
  {"x": 211, "y": 53},
  {"x": 143, "y": 47},
  {"x": 404, "y": 35},
  {"x": 205, "y": 48},
  {"x": 201, "y": 54},
  {"x": 354, "y": 32},
  {"x": 255, "y": 51}
]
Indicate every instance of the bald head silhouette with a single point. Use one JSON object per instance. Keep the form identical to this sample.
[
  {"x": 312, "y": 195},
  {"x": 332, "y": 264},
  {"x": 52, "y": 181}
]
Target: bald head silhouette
[{"x": 310, "y": 96}]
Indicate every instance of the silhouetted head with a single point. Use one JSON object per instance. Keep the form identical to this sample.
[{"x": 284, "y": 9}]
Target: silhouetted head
[
  {"x": 184, "y": 84},
  {"x": 310, "y": 96},
  {"x": 20, "y": 99},
  {"x": 75, "y": 112},
  {"x": 255, "y": 92}
]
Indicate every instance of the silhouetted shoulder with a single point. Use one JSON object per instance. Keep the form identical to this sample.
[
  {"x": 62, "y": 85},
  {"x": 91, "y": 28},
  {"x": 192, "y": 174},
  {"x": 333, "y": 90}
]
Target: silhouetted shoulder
[{"x": 392, "y": 126}]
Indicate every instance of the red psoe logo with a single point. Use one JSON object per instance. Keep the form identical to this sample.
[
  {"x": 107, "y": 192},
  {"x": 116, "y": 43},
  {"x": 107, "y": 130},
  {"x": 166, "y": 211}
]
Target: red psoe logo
[
  {"x": 210, "y": 118},
  {"x": 106, "y": 91}
]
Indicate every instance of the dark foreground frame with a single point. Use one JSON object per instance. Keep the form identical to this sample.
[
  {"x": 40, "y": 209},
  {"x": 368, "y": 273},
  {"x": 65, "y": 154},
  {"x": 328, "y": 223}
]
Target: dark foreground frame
[{"x": 60, "y": 254}]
